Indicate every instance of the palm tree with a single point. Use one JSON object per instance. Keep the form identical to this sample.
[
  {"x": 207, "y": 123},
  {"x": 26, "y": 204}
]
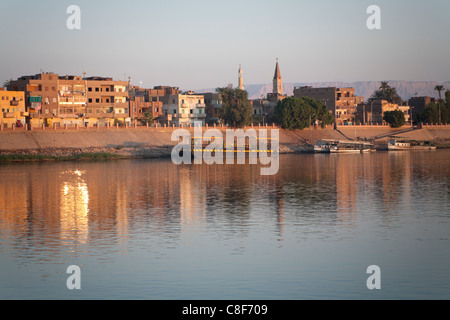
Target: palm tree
[
  {"x": 384, "y": 85},
  {"x": 439, "y": 88},
  {"x": 6, "y": 83}
]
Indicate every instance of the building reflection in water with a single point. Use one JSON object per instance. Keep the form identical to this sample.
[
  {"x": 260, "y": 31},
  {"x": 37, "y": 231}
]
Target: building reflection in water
[
  {"x": 74, "y": 206},
  {"x": 115, "y": 201}
]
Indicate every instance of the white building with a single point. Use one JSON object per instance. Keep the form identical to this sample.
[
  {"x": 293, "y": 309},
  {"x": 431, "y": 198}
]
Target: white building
[{"x": 184, "y": 109}]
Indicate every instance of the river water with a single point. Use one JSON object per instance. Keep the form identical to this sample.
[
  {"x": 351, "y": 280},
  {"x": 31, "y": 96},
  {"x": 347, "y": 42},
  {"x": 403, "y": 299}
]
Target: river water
[{"x": 149, "y": 229}]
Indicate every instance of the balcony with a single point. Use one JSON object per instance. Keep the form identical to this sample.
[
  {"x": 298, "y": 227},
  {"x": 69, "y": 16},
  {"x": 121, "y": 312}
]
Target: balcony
[
  {"x": 9, "y": 115},
  {"x": 197, "y": 115},
  {"x": 200, "y": 105},
  {"x": 14, "y": 103}
]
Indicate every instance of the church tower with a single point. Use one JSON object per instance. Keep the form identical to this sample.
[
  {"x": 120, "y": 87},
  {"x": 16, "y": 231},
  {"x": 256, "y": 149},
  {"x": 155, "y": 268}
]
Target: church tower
[
  {"x": 277, "y": 81},
  {"x": 240, "y": 79}
]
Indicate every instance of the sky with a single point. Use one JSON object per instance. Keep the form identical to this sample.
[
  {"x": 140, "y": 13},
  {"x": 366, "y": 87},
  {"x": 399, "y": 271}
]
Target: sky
[{"x": 197, "y": 44}]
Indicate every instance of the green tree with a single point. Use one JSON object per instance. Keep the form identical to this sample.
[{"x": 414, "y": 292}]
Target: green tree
[
  {"x": 299, "y": 113},
  {"x": 439, "y": 88},
  {"x": 147, "y": 118},
  {"x": 386, "y": 92},
  {"x": 395, "y": 118},
  {"x": 236, "y": 110},
  {"x": 430, "y": 114}
]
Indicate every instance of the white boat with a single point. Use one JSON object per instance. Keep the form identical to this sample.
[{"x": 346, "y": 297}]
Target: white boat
[
  {"x": 393, "y": 144},
  {"x": 337, "y": 146},
  {"x": 324, "y": 146},
  {"x": 348, "y": 149}
]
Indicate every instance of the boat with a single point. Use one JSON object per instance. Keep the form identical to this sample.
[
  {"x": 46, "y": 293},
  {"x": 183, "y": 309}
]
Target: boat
[
  {"x": 402, "y": 144},
  {"x": 338, "y": 146},
  {"x": 394, "y": 144},
  {"x": 324, "y": 146}
]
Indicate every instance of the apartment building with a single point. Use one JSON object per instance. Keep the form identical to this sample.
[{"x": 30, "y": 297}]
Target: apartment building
[
  {"x": 184, "y": 109},
  {"x": 68, "y": 100},
  {"x": 373, "y": 112},
  {"x": 213, "y": 103},
  {"x": 107, "y": 101},
  {"x": 12, "y": 107},
  {"x": 342, "y": 102}
]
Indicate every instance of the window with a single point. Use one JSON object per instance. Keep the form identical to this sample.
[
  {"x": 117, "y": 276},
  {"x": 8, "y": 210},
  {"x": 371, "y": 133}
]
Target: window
[
  {"x": 90, "y": 100},
  {"x": 90, "y": 89},
  {"x": 97, "y": 89},
  {"x": 97, "y": 100},
  {"x": 54, "y": 99}
]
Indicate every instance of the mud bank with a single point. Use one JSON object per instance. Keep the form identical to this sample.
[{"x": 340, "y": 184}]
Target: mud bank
[{"x": 155, "y": 143}]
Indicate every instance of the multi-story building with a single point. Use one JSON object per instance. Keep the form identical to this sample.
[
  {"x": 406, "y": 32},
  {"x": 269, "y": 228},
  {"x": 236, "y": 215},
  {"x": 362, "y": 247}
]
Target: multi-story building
[
  {"x": 373, "y": 112},
  {"x": 12, "y": 107},
  {"x": 418, "y": 104},
  {"x": 157, "y": 93},
  {"x": 342, "y": 102},
  {"x": 213, "y": 103},
  {"x": 184, "y": 109},
  {"x": 139, "y": 106},
  {"x": 107, "y": 101},
  {"x": 60, "y": 100}
]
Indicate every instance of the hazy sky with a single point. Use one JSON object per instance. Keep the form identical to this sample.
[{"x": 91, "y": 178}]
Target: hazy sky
[{"x": 200, "y": 44}]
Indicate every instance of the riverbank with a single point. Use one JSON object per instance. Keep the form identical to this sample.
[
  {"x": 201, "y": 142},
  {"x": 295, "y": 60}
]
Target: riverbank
[{"x": 71, "y": 144}]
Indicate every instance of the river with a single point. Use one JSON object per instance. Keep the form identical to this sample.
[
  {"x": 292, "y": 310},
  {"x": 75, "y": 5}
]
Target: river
[{"x": 149, "y": 229}]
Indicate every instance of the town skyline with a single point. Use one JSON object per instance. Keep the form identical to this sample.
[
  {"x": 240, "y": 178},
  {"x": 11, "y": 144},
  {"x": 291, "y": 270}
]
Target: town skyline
[{"x": 188, "y": 44}]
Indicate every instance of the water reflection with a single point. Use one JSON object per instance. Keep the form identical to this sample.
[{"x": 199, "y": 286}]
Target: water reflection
[
  {"x": 61, "y": 207},
  {"x": 74, "y": 206}
]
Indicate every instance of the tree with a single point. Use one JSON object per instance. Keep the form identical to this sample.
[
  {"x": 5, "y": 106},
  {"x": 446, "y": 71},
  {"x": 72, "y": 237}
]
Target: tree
[
  {"x": 7, "y": 83},
  {"x": 236, "y": 110},
  {"x": 439, "y": 88},
  {"x": 147, "y": 118},
  {"x": 386, "y": 92},
  {"x": 395, "y": 118},
  {"x": 299, "y": 113}
]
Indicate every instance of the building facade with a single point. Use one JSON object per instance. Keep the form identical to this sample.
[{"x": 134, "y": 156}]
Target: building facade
[
  {"x": 68, "y": 100},
  {"x": 373, "y": 112},
  {"x": 213, "y": 103},
  {"x": 12, "y": 107},
  {"x": 184, "y": 109},
  {"x": 341, "y": 102},
  {"x": 418, "y": 104}
]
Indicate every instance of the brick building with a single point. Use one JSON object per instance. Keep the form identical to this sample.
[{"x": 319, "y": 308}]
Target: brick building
[
  {"x": 68, "y": 100},
  {"x": 12, "y": 107},
  {"x": 342, "y": 102}
]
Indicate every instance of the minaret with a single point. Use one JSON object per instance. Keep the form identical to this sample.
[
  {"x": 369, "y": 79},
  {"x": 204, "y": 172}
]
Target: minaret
[
  {"x": 240, "y": 79},
  {"x": 277, "y": 82}
]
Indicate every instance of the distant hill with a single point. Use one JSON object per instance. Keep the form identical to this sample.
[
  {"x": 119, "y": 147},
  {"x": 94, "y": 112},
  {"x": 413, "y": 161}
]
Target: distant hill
[{"x": 406, "y": 89}]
